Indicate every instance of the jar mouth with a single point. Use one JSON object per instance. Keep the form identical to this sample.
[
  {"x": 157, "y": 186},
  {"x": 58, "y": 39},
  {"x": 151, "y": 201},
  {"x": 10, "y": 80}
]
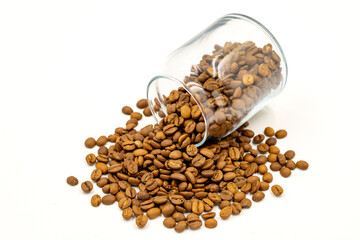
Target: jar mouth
[
  {"x": 154, "y": 88},
  {"x": 238, "y": 16}
]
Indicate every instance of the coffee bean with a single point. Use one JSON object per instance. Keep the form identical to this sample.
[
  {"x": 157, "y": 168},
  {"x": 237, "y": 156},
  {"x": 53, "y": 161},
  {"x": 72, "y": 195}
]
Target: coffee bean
[
  {"x": 280, "y": 133},
  {"x": 142, "y": 103},
  {"x": 271, "y": 141},
  {"x": 277, "y": 190},
  {"x": 258, "y": 138},
  {"x": 194, "y": 223},
  {"x": 108, "y": 199},
  {"x": 269, "y": 131},
  {"x": 169, "y": 222},
  {"x": 73, "y": 181},
  {"x": 246, "y": 203},
  {"x": 141, "y": 221},
  {"x": 210, "y": 223},
  {"x": 153, "y": 213},
  {"x": 90, "y": 142},
  {"x": 275, "y": 166},
  {"x": 180, "y": 226},
  {"x": 290, "y": 164},
  {"x": 127, "y": 213},
  {"x": 147, "y": 112},
  {"x": 87, "y": 186},
  {"x": 208, "y": 215},
  {"x": 102, "y": 150},
  {"x": 267, "y": 177},
  {"x": 177, "y": 216},
  {"x": 290, "y": 154},
  {"x": 285, "y": 172},
  {"x": 274, "y": 150},
  {"x": 262, "y": 148},
  {"x": 101, "y": 141},
  {"x": 225, "y": 212},
  {"x": 90, "y": 159},
  {"x": 95, "y": 200},
  {"x": 126, "y": 110},
  {"x": 136, "y": 115},
  {"x": 303, "y": 165},
  {"x": 264, "y": 186},
  {"x": 258, "y": 196}
]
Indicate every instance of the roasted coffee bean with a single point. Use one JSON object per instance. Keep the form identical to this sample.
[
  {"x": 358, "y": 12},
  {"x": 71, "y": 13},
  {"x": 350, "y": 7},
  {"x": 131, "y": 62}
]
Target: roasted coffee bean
[
  {"x": 258, "y": 196},
  {"x": 90, "y": 159},
  {"x": 177, "y": 216},
  {"x": 290, "y": 164},
  {"x": 208, "y": 215},
  {"x": 285, "y": 172},
  {"x": 303, "y": 165},
  {"x": 274, "y": 150},
  {"x": 290, "y": 154},
  {"x": 271, "y": 141},
  {"x": 136, "y": 210},
  {"x": 73, "y": 181},
  {"x": 142, "y": 103},
  {"x": 262, "y": 148},
  {"x": 267, "y": 177},
  {"x": 141, "y": 221},
  {"x": 280, "y": 133},
  {"x": 126, "y": 110},
  {"x": 226, "y": 212},
  {"x": 169, "y": 222},
  {"x": 194, "y": 223},
  {"x": 87, "y": 186},
  {"x": 125, "y": 203},
  {"x": 101, "y": 141},
  {"x": 136, "y": 115},
  {"x": 275, "y": 166},
  {"x": 108, "y": 199},
  {"x": 264, "y": 186},
  {"x": 147, "y": 112},
  {"x": 258, "y": 138},
  {"x": 210, "y": 223},
  {"x": 153, "y": 213},
  {"x": 246, "y": 203},
  {"x": 269, "y": 131},
  {"x": 180, "y": 226},
  {"x": 277, "y": 190},
  {"x": 90, "y": 142},
  {"x": 168, "y": 209},
  {"x": 96, "y": 175},
  {"x": 127, "y": 213},
  {"x": 95, "y": 200}
]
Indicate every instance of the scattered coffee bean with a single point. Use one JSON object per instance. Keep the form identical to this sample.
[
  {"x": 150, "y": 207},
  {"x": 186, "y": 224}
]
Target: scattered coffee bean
[
  {"x": 281, "y": 134},
  {"x": 169, "y": 222},
  {"x": 90, "y": 142},
  {"x": 101, "y": 141},
  {"x": 73, "y": 181},
  {"x": 258, "y": 196},
  {"x": 303, "y": 165},
  {"x": 127, "y": 110},
  {"x": 180, "y": 226},
  {"x": 90, "y": 159},
  {"x": 226, "y": 212},
  {"x": 277, "y": 190},
  {"x": 269, "y": 131},
  {"x": 127, "y": 213},
  {"x": 141, "y": 221},
  {"x": 290, "y": 154},
  {"x": 95, "y": 200},
  {"x": 285, "y": 172},
  {"x": 108, "y": 199},
  {"x": 210, "y": 223},
  {"x": 147, "y": 112},
  {"x": 87, "y": 186},
  {"x": 142, "y": 103}
]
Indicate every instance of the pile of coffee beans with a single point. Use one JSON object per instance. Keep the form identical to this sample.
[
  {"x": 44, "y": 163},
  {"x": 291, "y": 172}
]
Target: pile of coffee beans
[
  {"x": 158, "y": 170},
  {"x": 228, "y": 84}
]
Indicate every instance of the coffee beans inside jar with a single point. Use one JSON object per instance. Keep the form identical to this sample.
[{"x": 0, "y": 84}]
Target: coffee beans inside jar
[{"x": 158, "y": 169}]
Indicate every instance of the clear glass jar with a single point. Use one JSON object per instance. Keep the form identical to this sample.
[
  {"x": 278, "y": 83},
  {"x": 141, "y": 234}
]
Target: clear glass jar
[{"x": 231, "y": 70}]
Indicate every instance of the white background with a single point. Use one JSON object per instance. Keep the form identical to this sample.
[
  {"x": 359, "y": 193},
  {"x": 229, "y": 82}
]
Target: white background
[{"x": 67, "y": 67}]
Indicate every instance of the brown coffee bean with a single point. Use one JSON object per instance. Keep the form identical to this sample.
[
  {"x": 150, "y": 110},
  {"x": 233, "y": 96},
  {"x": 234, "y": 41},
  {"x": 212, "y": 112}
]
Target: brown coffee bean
[
  {"x": 153, "y": 213},
  {"x": 289, "y": 154},
  {"x": 87, "y": 186},
  {"x": 267, "y": 177},
  {"x": 168, "y": 209},
  {"x": 271, "y": 141},
  {"x": 290, "y": 164},
  {"x": 147, "y": 112},
  {"x": 208, "y": 215},
  {"x": 303, "y": 165},
  {"x": 108, "y": 199},
  {"x": 277, "y": 190},
  {"x": 95, "y": 200},
  {"x": 258, "y": 196},
  {"x": 275, "y": 166},
  {"x": 96, "y": 175},
  {"x": 103, "y": 150},
  {"x": 194, "y": 223},
  {"x": 136, "y": 115},
  {"x": 197, "y": 206},
  {"x": 90, "y": 142},
  {"x": 262, "y": 148},
  {"x": 264, "y": 186},
  {"x": 226, "y": 212},
  {"x": 248, "y": 79},
  {"x": 180, "y": 226},
  {"x": 126, "y": 110},
  {"x": 238, "y": 196},
  {"x": 73, "y": 181},
  {"x": 169, "y": 222},
  {"x": 285, "y": 172},
  {"x": 281, "y": 159},
  {"x": 269, "y": 131},
  {"x": 210, "y": 223},
  {"x": 136, "y": 210},
  {"x": 127, "y": 213},
  {"x": 142, "y": 103},
  {"x": 262, "y": 169},
  {"x": 258, "y": 138},
  {"x": 185, "y": 111},
  {"x": 280, "y": 134},
  {"x": 246, "y": 203},
  {"x": 178, "y": 216},
  {"x": 90, "y": 159},
  {"x": 101, "y": 141},
  {"x": 141, "y": 221},
  {"x": 274, "y": 150},
  {"x": 126, "y": 202}
]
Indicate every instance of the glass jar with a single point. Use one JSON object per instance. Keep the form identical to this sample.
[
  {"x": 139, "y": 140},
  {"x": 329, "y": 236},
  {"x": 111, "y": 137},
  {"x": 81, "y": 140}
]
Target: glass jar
[{"x": 230, "y": 70}]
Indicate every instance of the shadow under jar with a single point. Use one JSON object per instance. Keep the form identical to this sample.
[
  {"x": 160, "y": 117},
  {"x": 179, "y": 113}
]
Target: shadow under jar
[{"x": 225, "y": 74}]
